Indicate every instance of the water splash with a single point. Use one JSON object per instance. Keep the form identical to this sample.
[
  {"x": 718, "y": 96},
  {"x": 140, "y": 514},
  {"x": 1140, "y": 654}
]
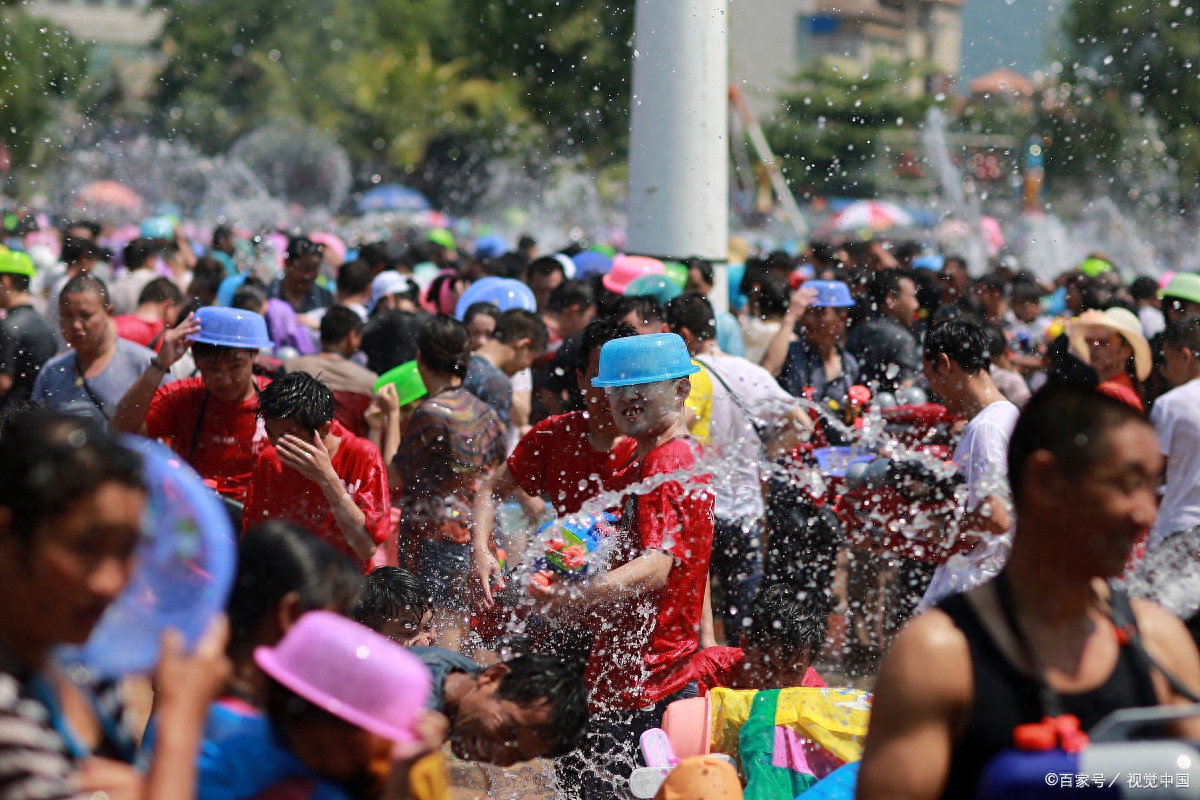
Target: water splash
[{"x": 966, "y": 206}]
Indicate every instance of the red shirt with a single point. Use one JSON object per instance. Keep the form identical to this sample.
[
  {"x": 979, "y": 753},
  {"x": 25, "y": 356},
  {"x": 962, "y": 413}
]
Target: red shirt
[
  {"x": 135, "y": 329},
  {"x": 643, "y": 646},
  {"x": 223, "y": 445},
  {"x": 718, "y": 666},
  {"x": 555, "y": 460},
  {"x": 1120, "y": 387},
  {"x": 279, "y": 492}
]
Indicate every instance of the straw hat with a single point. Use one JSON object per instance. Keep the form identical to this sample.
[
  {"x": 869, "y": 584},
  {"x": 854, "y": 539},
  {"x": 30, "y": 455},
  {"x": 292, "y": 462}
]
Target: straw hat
[{"x": 1123, "y": 322}]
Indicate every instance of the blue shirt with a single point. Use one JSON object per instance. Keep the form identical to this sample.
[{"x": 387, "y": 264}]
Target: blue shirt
[{"x": 441, "y": 663}]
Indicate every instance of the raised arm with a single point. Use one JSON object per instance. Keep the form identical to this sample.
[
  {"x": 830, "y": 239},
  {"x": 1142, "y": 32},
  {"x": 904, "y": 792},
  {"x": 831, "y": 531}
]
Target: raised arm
[
  {"x": 776, "y": 353},
  {"x": 130, "y": 413}
]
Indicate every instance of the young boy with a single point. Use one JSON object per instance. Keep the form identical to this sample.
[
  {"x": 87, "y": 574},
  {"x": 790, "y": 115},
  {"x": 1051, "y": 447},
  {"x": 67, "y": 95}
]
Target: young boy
[
  {"x": 646, "y": 610},
  {"x": 317, "y": 473},
  {"x": 777, "y": 651},
  {"x": 395, "y": 603}
]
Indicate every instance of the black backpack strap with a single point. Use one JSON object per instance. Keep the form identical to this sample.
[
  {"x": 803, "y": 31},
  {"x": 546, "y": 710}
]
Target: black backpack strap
[{"x": 1120, "y": 611}]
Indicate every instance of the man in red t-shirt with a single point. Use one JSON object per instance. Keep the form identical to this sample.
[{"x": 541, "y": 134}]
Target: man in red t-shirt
[
  {"x": 567, "y": 459},
  {"x": 158, "y": 305},
  {"x": 647, "y": 607},
  {"x": 211, "y": 421},
  {"x": 317, "y": 473}
]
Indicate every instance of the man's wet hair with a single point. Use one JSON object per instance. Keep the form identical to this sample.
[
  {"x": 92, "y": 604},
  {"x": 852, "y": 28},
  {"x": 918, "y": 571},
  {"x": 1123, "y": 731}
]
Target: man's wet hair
[
  {"x": 338, "y": 323},
  {"x": 780, "y": 616},
  {"x": 517, "y": 324},
  {"x": 569, "y": 293},
  {"x": 160, "y": 290},
  {"x": 1027, "y": 293},
  {"x": 354, "y": 277},
  {"x": 962, "y": 341},
  {"x": 85, "y": 282},
  {"x": 647, "y": 308},
  {"x": 387, "y": 593},
  {"x": 992, "y": 283},
  {"x": 1069, "y": 423},
  {"x": 279, "y": 558},
  {"x": 884, "y": 284},
  {"x": 297, "y": 396},
  {"x": 76, "y": 249},
  {"x": 301, "y": 246},
  {"x": 444, "y": 345},
  {"x": 1143, "y": 288},
  {"x": 773, "y": 296},
  {"x": 535, "y": 680},
  {"x": 545, "y": 265},
  {"x": 597, "y": 334},
  {"x": 692, "y": 310},
  {"x": 1183, "y": 333},
  {"x": 997, "y": 343}
]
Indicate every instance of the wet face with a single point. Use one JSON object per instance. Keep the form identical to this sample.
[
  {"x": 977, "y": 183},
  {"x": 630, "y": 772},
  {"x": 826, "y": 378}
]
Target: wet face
[
  {"x": 647, "y": 409},
  {"x": 1115, "y": 502},
  {"x": 339, "y": 751},
  {"x": 411, "y": 628},
  {"x": 481, "y": 327},
  {"x": 904, "y": 305},
  {"x": 77, "y": 563},
  {"x": 227, "y": 373},
  {"x": 83, "y": 320},
  {"x": 497, "y": 731},
  {"x": 1108, "y": 352},
  {"x": 278, "y": 428},
  {"x": 823, "y": 326},
  {"x": 301, "y": 273}
]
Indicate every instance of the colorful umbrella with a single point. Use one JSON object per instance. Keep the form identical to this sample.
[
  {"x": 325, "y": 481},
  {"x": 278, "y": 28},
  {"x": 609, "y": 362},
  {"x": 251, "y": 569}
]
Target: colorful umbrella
[{"x": 876, "y": 215}]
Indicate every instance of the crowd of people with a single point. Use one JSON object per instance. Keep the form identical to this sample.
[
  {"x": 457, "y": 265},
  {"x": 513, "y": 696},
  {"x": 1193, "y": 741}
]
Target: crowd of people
[{"x": 385, "y": 448}]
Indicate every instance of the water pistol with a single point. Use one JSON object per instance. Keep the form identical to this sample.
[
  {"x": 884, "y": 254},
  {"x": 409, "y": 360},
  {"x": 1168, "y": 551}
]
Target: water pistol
[{"x": 571, "y": 541}]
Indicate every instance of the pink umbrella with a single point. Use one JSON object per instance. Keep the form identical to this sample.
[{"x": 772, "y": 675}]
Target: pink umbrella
[
  {"x": 875, "y": 215},
  {"x": 108, "y": 193}
]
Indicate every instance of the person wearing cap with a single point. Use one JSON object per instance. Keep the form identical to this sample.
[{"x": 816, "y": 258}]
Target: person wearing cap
[
  {"x": 27, "y": 340},
  {"x": 297, "y": 286},
  {"x": 392, "y": 291},
  {"x": 317, "y": 473},
  {"x": 815, "y": 366},
  {"x": 89, "y": 378},
  {"x": 1111, "y": 343},
  {"x": 353, "y": 386},
  {"x": 1180, "y": 298},
  {"x": 211, "y": 420},
  {"x": 647, "y": 608}
]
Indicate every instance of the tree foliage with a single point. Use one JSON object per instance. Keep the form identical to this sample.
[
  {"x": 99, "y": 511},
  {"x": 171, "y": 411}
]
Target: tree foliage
[
  {"x": 1132, "y": 58},
  {"x": 41, "y": 67},
  {"x": 827, "y": 128}
]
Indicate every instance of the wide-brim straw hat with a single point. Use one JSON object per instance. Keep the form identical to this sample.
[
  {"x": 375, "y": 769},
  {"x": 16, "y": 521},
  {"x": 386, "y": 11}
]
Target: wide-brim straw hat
[{"x": 1123, "y": 322}]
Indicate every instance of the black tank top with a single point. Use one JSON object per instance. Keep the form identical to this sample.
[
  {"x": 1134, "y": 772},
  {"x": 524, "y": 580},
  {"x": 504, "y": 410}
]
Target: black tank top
[{"x": 1004, "y": 698}]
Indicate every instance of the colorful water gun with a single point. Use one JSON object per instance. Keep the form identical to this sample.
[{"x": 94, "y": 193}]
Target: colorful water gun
[{"x": 571, "y": 545}]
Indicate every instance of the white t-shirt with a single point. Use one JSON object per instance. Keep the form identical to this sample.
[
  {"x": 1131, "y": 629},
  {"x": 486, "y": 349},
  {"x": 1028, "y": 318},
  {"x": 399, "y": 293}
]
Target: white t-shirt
[
  {"x": 1153, "y": 322},
  {"x": 982, "y": 458},
  {"x": 732, "y": 437},
  {"x": 1176, "y": 419}
]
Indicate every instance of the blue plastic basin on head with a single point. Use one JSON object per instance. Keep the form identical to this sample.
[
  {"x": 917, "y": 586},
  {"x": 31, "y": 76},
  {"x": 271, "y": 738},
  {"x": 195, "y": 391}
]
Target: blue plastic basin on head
[
  {"x": 830, "y": 294},
  {"x": 504, "y": 293},
  {"x": 232, "y": 327},
  {"x": 659, "y": 287},
  {"x": 644, "y": 359}
]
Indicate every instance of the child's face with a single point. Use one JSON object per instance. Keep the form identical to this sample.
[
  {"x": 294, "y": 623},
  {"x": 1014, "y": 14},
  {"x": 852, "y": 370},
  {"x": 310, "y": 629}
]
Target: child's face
[
  {"x": 1026, "y": 311},
  {"x": 339, "y": 751},
  {"x": 647, "y": 409},
  {"x": 411, "y": 629}
]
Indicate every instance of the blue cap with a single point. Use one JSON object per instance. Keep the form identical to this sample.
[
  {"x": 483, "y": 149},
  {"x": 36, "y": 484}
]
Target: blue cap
[
  {"x": 490, "y": 246},
  {"x": 648, "y": 358},
  {"x": 933, "y": 263},
  {"x": 232, "y": 327},
  {"x": 830, "y": 294},
  {"x": 161, "y": 227},
  {"x": 660, "y": 287},
  {"x": 591, "y": 262}
]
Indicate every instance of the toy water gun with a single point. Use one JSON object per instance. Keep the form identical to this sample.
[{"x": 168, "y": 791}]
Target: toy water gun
[
  {"x": 660, "y": 759},
  {"x": 1054, "y": 754},
  {"x": 570, "y": 546}
]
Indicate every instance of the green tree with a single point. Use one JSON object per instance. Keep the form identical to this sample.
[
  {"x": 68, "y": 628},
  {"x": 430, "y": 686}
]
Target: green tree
[
  {"x": 1129, "y": 58},
  {"x": 41, "y": 68},
  {"x": 828, "y": 126}
]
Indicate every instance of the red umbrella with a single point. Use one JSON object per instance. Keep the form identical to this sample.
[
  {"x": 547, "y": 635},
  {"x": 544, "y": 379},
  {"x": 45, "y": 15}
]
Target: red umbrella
[{"x": 108, "y": 193}]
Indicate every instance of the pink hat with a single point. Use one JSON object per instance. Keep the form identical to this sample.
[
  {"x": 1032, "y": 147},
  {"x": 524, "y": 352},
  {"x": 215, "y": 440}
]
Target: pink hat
[
  {"x": 626, "y": 269},
  {"x": 352, "y": 672}
]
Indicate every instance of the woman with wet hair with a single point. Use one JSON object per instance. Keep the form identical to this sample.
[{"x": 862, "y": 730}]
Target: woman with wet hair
[
  {"x": 71, "y": 503},
  {"x": 453, "y": 442}
]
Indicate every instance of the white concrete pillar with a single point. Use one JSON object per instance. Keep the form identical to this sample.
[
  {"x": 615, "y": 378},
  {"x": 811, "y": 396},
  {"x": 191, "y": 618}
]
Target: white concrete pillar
[{"x": 679, "y": 132}]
